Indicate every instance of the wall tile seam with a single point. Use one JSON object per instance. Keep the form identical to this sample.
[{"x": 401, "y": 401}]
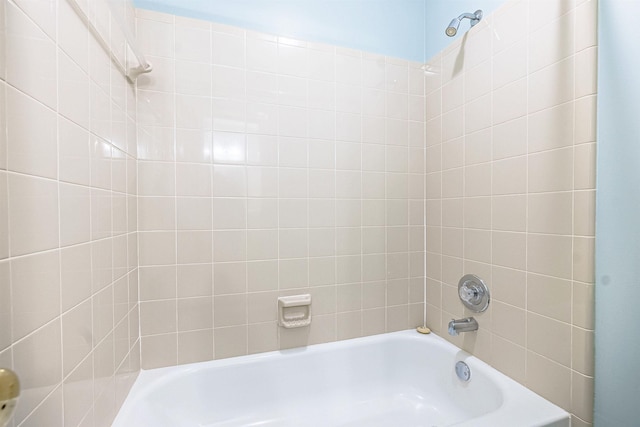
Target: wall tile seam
[
  {"x": 58, "y": 319},
  {"x": 526, "y": 348},
  {"x": 70, "y": 246},
  {"x": 561, "y": 365},
  {"x": 57, "y": 389},
  {"x": 90, "y": 133},
  {"x": 34, "y": 23}
]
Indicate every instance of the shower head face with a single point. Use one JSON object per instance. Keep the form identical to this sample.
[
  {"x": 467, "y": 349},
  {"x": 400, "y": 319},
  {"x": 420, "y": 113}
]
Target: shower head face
[{"x": 452, "y": 29}]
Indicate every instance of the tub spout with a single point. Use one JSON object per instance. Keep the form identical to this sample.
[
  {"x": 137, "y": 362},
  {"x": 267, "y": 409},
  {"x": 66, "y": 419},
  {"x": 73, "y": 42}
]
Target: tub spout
[{"x": 467, "y": 324}]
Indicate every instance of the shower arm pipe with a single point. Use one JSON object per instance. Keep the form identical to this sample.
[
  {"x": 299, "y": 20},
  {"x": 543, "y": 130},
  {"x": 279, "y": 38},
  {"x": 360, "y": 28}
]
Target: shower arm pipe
[
  {"x": 131, "y": 73},
  {"x": 472, "y": 16}
]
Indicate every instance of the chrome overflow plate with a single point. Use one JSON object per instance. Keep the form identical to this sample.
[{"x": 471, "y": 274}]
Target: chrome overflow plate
[
  {"x": 462, "y": 371},
  {"x": 473, "y": 293}
]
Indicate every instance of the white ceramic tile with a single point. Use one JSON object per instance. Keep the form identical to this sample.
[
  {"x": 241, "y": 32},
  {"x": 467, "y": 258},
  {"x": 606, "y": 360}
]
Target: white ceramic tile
[
  {"x": 452, "y": 124},
  {"x": 292, "y": 152},
  {"x": 292, "y": 183},
  {"x": 552, "y": 43},
  {"x": 396, "y": 132},
  {"x": 35, "y": 292},
  {"x": 192, "y": 43},
  {"x": 552, "y": 85},
  {"x": 191, "y": 78},
  {"x": 229, "y": 278},
  {"x": 73, "y": 35},
  {"x": 262, "y": 87},
  {"x": 3, "y": 123},
  {"x": 228, "y": 49},
  {"x": 262, "y": 182},
  {"x": 260, "y": 119},
  {"x": 322, "y": 64},
  {"x": 373, "y": 130},
  {"x": 194, "y": 247},
  {"x": 229, "y": 246},
  {"x": 322, "y": 125},
  {"x": 30, "y": 149},
  {"x": 551, "y": 170},
  {"x": 38, "y": 363},
  {"x": 586, "y": 72},
  {"x": 349, "y": 99},
  {"x": 586, "y": 25},
  {"x": 510, "y": 101},
  {"x": 262, "y": 150},
  {"x": 191, "y": 145},
  {"x": 292, "y": 213},
  {"x": 348, "y": 184},
  {"x": 74, "y": 214},
  {"x": 193, "y": 112},
  {"x": 229, "y": 181},
  {"x": 348, "y": 69},
  {"x": 157, "y": 248},
  {"x": 292, "y": 121},
  {"x": 31, "y": 55},
  {"x": 397, "y": 106},
  {"x": 228, "y": 82},
  {"x": 156, "y": 38},
  {"x": 156, "y": 179},
  {"x": 292, "y": 91},
  {"x": 397, "y": 78},
  {"x": 193, "y": 180},
  {"x": 507, "y": 28},
  {"x": 585, "y": 116},
  {"x": 478, "y": 114},
  {"x": 156, "y": 213},
  {"x": 229, "y": 213},
  {"x": 292, "y": 58},
  {"x": 416, "y": 108},
  {"x": 261, "y": 54},
  {"x": 322, "y": 95},
  {"x": 322, "y": 213},
  {"x": 155, "y": 108},
  {"x": 73, "y": 82},
  {"x": 33, "y": 214},
  {"x": 509, "y": 176}
]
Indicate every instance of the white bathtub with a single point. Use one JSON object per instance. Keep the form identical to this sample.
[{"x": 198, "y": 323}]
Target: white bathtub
[{"x": 401, "y": 379}]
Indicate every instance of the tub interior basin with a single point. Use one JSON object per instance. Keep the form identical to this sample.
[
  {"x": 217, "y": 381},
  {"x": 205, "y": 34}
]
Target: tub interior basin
[{"x": 393, "y": 380}]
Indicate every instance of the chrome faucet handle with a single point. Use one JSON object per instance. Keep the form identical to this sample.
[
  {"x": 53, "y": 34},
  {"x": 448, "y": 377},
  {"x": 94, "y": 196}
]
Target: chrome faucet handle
[{"x": 470, "y": 293}]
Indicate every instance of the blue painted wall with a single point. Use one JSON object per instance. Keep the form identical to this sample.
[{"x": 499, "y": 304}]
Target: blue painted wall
[
  {"x": 410, "y": 29},
  {"x": 388, "y": 27},
  {"x": 618, "y": 217}
]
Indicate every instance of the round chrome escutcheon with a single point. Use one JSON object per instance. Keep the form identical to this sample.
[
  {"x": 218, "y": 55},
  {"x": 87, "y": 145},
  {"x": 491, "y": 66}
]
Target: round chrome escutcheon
[
  {"x": 462, "y": 371},
  {"x": 473, "y": 293}
]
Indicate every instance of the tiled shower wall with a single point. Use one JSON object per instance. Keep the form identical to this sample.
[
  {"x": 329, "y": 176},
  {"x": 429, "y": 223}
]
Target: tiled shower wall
[
  {"x": 270, "y": 167},
  {"x": 68, "y": 244},
  {"x": 511, "y": 192}
]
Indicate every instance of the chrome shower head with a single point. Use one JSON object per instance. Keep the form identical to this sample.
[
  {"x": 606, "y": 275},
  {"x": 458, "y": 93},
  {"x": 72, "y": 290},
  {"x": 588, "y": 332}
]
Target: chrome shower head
[{"x": 452, "y": 29}]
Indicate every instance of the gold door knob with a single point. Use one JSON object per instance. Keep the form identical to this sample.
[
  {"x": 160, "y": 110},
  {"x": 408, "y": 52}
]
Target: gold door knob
[
  {"x": 9, "y": 385},
  {"x": 9, "y": 391}
]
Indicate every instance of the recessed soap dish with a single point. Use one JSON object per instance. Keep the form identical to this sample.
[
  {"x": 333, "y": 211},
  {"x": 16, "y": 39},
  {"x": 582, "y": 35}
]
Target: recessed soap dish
[{"x": 294, "y": 311}]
